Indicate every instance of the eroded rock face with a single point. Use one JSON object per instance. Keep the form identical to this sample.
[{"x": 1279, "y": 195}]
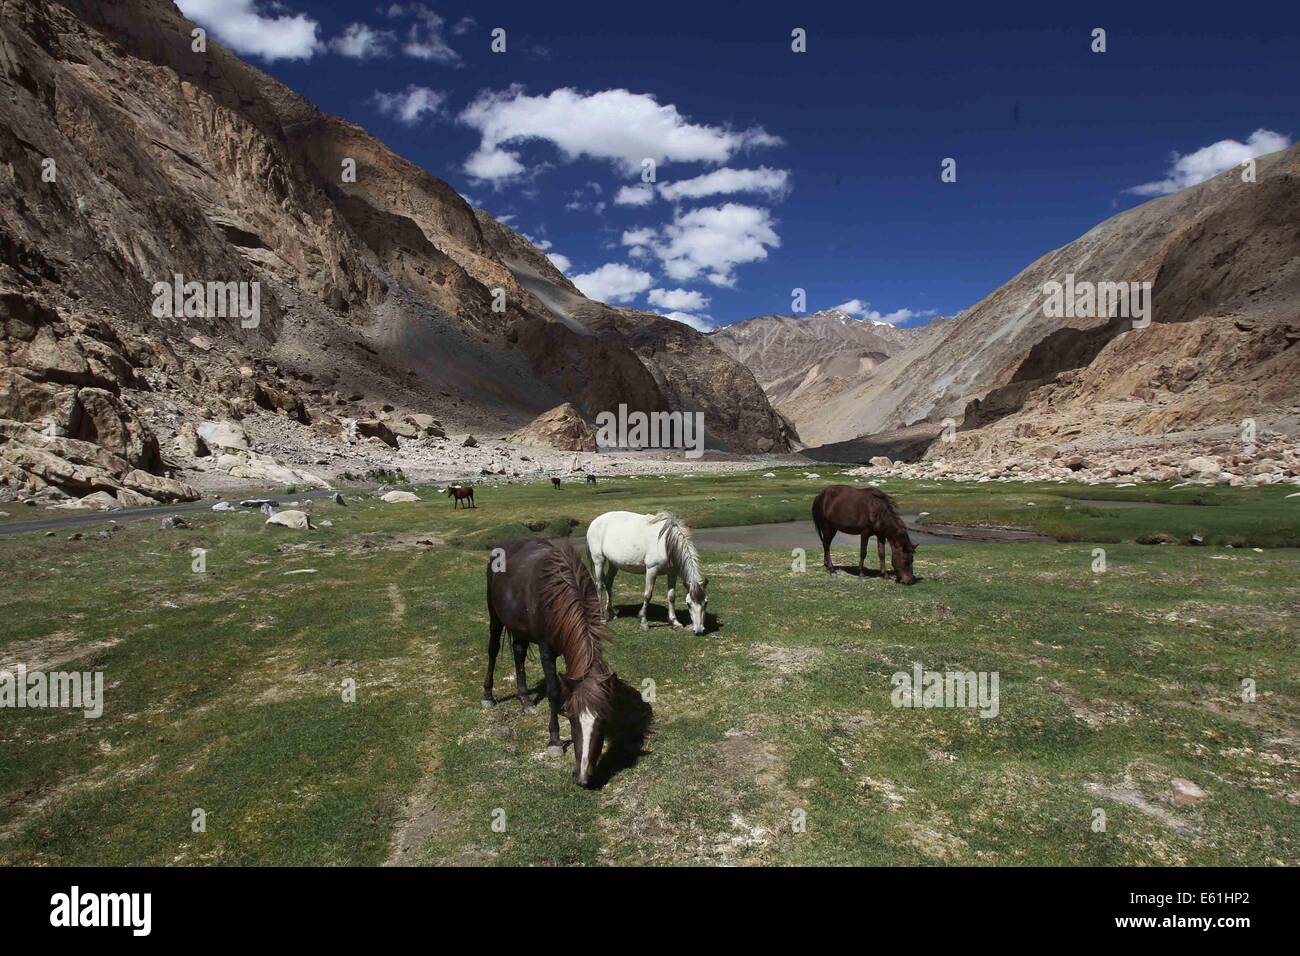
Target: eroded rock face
[
  {"x": 1223, "y": 258},
  {"x": 562, "y": 427},
  {"x": 200, "y": 166}
]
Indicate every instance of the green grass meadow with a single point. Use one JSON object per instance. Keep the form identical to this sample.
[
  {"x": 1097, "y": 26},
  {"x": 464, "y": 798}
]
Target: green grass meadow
[{"x": 773, "y": 739}]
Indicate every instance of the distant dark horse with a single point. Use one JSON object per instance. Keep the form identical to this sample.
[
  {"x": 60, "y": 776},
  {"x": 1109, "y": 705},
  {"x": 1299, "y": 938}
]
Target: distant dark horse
[
  {"x": 864, "y": 511},
  {"x": 542, "y": 593},
  {"x": 459, "y": 493},
  {"x": 591, "y": 479},
  {"x": 556, "y": 483}
]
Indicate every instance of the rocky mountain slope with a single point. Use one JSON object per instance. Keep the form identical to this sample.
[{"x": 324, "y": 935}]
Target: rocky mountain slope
[
  {"x": 129, "y": 159},
  {"x": 1223, "y": 258},
  {"x": 690, "y": 370},
  {"x": 801, "y": 361}
]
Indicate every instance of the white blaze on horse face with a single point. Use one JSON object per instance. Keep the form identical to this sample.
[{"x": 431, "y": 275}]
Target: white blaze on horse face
[
  {"x": 587, "y": 722},
  {"x": 697, "y": 613}
]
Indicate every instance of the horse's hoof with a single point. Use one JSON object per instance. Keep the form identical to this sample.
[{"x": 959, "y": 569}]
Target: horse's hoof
[
  {"x": 529, "y": 709},
  {"x": 555, "y": 750},
  {"x": 676, "y": 624},
  {"x": 645, "y": 626},
  {"x": 487, "y": 704}
]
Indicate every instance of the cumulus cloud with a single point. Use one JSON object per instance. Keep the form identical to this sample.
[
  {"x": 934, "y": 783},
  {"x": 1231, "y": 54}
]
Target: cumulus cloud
[
  {"x": 772, "y": 183},
  {"x": 560, "y": 261},
  {"x": 701, "y": 323},
  {"x": 613, "y": 282},
  {"x": 424, "y": 37},
  {"x": 362, "y": 42},
  {"x": 411, "y": 105},
  {"x": 642, "y": 194},
  {"x": 493, "y": 165},
  {"x": 613, "y": 125},
  {"x": 710, "y": 242},
  {"x": 679, "y": 299},
  {"x": 1208, "y": 161},
  {"x": 241, "y": 26}
]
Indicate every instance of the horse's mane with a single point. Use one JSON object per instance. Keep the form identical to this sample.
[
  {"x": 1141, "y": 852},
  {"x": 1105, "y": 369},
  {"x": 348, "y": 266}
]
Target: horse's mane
[
  {"x": 681, "y": 550},
  {"x": 571, "y": 611},
  {"x": 896, "y": 527}
]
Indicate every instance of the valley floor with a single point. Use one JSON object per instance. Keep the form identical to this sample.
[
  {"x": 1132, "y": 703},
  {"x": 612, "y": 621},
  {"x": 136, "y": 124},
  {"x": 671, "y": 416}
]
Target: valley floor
[{"x": 1122, "y": 736}]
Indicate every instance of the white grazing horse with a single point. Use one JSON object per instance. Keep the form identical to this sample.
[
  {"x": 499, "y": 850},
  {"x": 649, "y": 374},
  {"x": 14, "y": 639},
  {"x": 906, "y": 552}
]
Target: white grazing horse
[{"x": 649, "y": 543}]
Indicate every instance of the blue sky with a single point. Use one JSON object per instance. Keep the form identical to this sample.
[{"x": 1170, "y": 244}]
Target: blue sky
[{"x": 778, "y": 170}]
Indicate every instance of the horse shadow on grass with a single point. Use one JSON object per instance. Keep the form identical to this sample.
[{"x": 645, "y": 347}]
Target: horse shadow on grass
[
  {"x": 658, "y": 614},
  {"x": 626, "y": 734},
  {"x": 852, "y": 570}
]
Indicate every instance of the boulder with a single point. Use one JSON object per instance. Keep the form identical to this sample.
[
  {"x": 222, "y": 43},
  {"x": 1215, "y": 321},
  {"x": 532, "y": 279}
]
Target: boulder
[
  {"x": 159, "y": 488},
  {"x": 224, "y": 434},
  {"x": 394, "y": 497},
  {"x": 190, "y": 444},
  {"x": 469, "y": 442},
  {"x": 426, "y": 424},
  {"x": 99, "y": 500},
  {"x": 405, "y": 430},
  {"x": 562, "y": 427},
  {"x": 374, "y": 428},
  {"x": 298, "y": 520},
  {"x": 881, "y": 461},
  {"x": 1200, "y": 466},
  {"x": 263, "y": 468}
]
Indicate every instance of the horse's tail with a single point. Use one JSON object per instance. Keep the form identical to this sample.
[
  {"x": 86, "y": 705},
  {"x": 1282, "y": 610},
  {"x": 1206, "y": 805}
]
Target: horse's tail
[{"x": 818, "y": 514}]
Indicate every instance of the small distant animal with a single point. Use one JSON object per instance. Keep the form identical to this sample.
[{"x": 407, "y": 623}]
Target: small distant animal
[
  {"x": 864, "y": 511},
  {"x": 459, "y": 493},
  {"x": 649, "y": 543},
  {"x": 556, "y": 483},
  {"x": 542, "y": 593},
  {"x": 591, "y": 479}
]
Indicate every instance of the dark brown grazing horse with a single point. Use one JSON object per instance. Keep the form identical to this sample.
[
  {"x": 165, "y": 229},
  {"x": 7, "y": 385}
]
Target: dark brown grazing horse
[
  {"x": 591, "y": 479},
  {"x": 542, "y": 593},
  {"x": 459, "y": 493},
  {"x": 556, "y": 483},
  {"x": 864, "y": 511}
]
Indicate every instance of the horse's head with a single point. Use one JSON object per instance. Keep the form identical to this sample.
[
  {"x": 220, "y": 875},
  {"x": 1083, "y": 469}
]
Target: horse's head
[
  {"x": 588, "y": 703},
  {"x": 696, "y": 601},
  {"x": 903, "y": 550}
]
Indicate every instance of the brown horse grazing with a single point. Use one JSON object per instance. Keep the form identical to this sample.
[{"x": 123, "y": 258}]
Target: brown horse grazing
[
  {"x": 591, "y": 479},
  {"x": 556, "y": 483},
  {"x": 459, "y": 493},
  {"x": 864, "y": 511},
  {"x": 542, "y": 593}
]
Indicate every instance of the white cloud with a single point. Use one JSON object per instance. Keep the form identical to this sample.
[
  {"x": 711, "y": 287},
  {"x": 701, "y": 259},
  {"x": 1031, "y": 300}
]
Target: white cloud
[
  {"x": 772, "y": 183},
  {"x": 494, "y": 165},
  {"x": 239, "y": 25},
  {"x": 411, "y": 105},
  {"x": 463, "y": 26},
  {"x": 362, "y": 42},
  {"x": 863, "y": 310},
  {"x": 560, "y": 261},
  {"x": 642, "y": 194},
  {"x": 1208, "y": 161},
  {"x": 613, "y": 282},
  {"x": 701, "y": 323},
  {"x": 615, "y": 125},
  {"x": 424, "y": 38},
  {"x": 638, "y": 237},
  {"x": 711, "y": 241},
  {"x": 678, "y": 299}
]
